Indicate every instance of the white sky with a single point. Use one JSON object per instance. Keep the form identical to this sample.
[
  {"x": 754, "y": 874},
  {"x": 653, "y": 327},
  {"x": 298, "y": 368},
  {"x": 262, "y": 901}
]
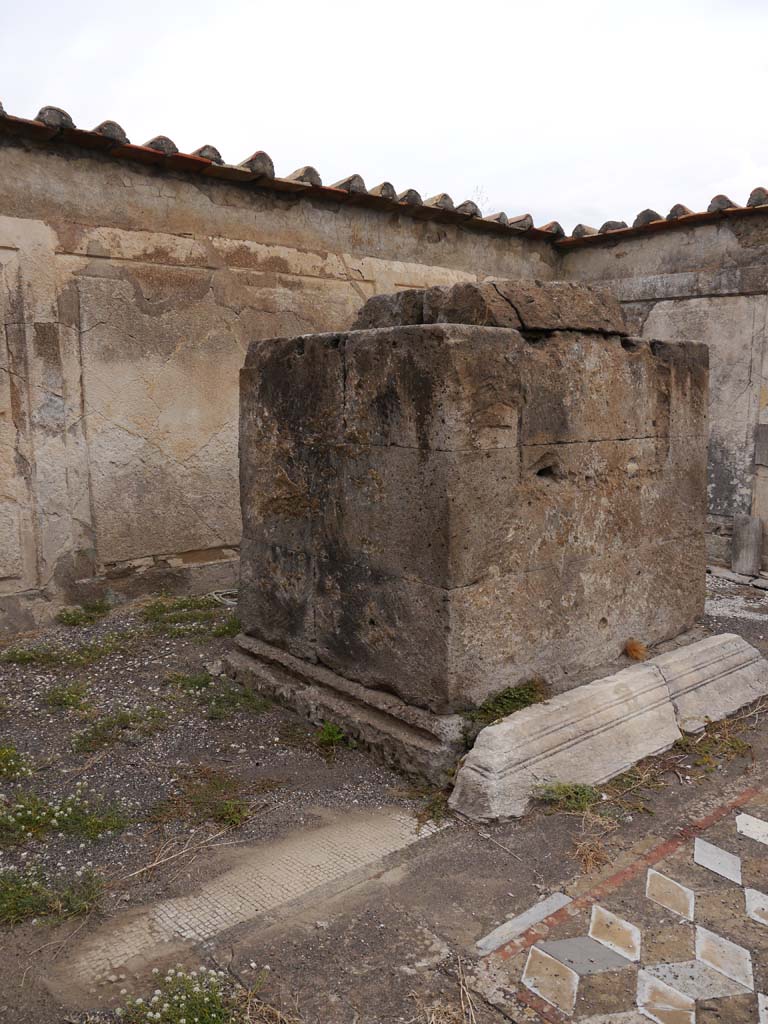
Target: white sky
[{"x": 572, "y": 110}]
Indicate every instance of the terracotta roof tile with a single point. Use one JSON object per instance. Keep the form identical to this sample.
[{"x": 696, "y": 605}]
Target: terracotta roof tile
[
  {"x": 56, "y": 125},
  {"x": 209, "y": 153},
  {"x": 260, "y": 164},
  {"x": 442, "y": 201},
  {"x": 308, "y": 175},
  {"x": 163, "y": 145},
  {"x": 646, "y": 217},
  {"x": 352, "y": 183},
  {"x": 721, "y": 203},
  {"x": 55, "y": 117}
]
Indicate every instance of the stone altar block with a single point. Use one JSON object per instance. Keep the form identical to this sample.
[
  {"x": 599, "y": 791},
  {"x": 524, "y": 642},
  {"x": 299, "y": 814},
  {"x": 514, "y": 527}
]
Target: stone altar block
[{"x": 482, "y": 484}]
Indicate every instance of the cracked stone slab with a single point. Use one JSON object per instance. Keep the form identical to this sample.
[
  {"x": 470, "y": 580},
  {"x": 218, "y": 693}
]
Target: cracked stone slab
[
  {"x": 712, "y": 678},
  {"x": 587, "y": 735}
]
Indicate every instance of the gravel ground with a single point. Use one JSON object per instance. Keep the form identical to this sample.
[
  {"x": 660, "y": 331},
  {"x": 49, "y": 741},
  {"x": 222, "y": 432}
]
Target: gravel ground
[
  {"x": 269, "y": 758},
  {"x": 128, "y": 663}
]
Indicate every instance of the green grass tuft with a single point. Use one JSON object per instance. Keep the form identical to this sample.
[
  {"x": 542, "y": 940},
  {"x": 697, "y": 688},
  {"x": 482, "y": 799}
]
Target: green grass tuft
[
  {"x": 506, "y": 702},
  {"x": 180, "y": 997},
  {"x": 80, "y": 656},
  {"x": 29, "y": 816},
  {"x": 13, "y": 765},
  {"x": 85, "y": 614},
  {"x": 211, "y": 794},
  {"x": 27, "y": 894},
  {"x": 568, "y": 796},
  {"x": 118, "y": 726},
  {"x": 73, "y": 696}
]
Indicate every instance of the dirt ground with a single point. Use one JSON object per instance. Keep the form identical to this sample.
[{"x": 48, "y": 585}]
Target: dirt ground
[{"x": 187, "y": 780}]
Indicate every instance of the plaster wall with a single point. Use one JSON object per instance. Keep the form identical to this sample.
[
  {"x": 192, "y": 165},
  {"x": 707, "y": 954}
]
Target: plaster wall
[
  {"x": 706, "y": 283},
  {"x": 128, "y": 296}
]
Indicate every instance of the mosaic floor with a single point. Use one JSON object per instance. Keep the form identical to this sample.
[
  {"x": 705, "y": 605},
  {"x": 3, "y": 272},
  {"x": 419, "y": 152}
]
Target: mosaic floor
[{"x": 679, "y": 935}]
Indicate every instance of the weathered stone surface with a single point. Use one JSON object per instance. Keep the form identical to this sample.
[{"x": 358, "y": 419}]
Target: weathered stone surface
[
  {"x": 596, "y": 731},
  {"x": 588, "y": 735},
  {"x": 532, "y": 306},
  {"x": 444, "y": 510},
  {"x": 711, "y": 679},
  {"x": 404, "y": 307},
  {"x": 481, "y": 304},
  {"x": 583, "y": 230},
  {"x": 147, "y": 304},
  {"x": 612, "y": 225},
  {"x": 747, "y": 545},
  {"x": 397, "y": 733}
]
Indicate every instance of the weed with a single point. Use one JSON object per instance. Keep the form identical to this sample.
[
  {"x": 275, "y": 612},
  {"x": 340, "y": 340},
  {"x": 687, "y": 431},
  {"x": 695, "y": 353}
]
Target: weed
[
  {"x": 220, "y": 699},
  {"x": 43, "y": 655},
  {"x": 26, "y": 894},
  {"x": 223, "y": 701},
  {"x": 294, "y": 734},
  {"x": 68, "y": 695},
  {"x": 211, "y": 794},
  {"x": 568, "y": 796},
  {"x": 83, "y": 654},
  {"x": 85, "y": 614},
  {"x": 189, "y": 683},
  {"x": 719, "y": 742},
  {"x": 117, "y": 726},
  {"x": 329, "y": 737},
  {"x": 513, "y": 698},
  {"x": 635, "y": 649},
  {"x": 434, "y": 807},
  {"x": 105, "y": 731},
  {"x": 30, "y": 816},
  {"x": 13, "y": 765},
  {"x": 229, "y": 627},
  {"x": 182, "y": 616}
]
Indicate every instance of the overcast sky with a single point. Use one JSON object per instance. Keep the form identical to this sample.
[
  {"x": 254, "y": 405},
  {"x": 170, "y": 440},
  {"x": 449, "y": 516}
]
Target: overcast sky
[{"x": 572, "y": 110}]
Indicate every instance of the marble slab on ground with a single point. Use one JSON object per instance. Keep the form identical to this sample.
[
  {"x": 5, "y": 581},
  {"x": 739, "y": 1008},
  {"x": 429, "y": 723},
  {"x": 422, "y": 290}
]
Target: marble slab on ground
[{"x": 599, "y": 730}]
